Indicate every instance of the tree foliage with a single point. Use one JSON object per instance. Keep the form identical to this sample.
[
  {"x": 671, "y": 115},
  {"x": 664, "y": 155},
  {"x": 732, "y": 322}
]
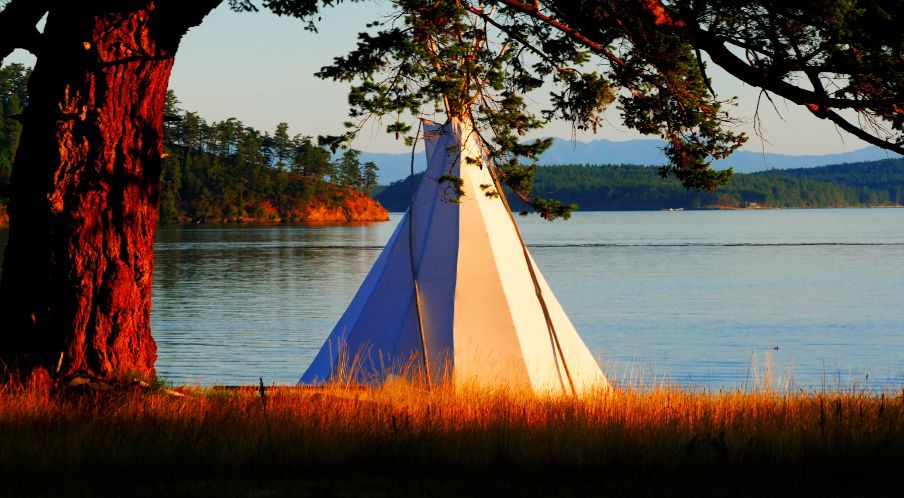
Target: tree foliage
[
  {"x": 439, "y": 57},
  {"x": 843, "y": 60}
]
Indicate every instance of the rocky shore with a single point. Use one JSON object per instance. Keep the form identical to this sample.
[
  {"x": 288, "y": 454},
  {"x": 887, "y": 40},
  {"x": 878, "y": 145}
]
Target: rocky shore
[{"x": 351, "y": 206}]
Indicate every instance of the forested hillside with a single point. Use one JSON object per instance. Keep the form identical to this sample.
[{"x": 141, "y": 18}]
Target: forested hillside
[
  {"x": 630, "y": 187},
  {"x": 878, "y": 183},
  {"x": 226, "y": 171}
]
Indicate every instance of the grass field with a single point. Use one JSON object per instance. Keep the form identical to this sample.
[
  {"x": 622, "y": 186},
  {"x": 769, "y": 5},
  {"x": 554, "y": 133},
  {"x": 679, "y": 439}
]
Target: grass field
[{"x": 403, "y": 439}]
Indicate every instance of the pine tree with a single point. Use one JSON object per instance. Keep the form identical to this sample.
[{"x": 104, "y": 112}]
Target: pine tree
[
  {"x": 348, "y": 170},
  {"x": 311, "y": 160},
  {"x": 171, "y": 165},
  {"x": 370, "y": 177},
  {"x": 282, "y": 147}
]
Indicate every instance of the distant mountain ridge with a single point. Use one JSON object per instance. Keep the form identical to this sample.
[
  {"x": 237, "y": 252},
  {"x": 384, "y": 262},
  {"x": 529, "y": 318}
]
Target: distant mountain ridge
[{"x": 646, "y": 152}]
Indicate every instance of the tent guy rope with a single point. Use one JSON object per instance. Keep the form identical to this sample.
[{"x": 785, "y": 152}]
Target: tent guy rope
[{"x": 417, "y": 291}]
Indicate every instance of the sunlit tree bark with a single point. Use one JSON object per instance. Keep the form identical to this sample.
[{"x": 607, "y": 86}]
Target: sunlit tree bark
[{"x": 76, "y": 284}]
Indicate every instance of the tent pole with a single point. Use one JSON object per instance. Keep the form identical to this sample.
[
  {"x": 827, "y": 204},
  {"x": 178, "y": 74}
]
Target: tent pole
[
  {"x": 417, "y": 293},
  {"x": 530, "y": 266}
]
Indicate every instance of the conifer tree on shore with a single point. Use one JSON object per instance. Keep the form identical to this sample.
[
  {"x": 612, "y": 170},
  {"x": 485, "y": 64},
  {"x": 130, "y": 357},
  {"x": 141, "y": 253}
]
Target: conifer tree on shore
[{"x": 369, "y": 177}]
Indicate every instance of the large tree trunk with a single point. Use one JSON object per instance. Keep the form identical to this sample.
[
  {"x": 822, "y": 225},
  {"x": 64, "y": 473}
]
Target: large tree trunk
[{"x": 76, "y": 284}]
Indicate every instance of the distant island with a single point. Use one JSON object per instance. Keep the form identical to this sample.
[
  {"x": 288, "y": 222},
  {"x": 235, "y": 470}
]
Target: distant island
[{"x": 628, "y": 187}]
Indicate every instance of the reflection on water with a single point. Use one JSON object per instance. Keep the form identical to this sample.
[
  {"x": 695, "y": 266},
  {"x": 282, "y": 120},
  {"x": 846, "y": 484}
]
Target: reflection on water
[
  {"x": 689, "y": 294},
  {"x": 236, "y": 302}
]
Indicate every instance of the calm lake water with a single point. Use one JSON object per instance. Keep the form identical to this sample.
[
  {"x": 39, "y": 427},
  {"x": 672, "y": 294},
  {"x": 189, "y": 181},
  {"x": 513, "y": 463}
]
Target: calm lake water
[{"x": 699, "y": 297}]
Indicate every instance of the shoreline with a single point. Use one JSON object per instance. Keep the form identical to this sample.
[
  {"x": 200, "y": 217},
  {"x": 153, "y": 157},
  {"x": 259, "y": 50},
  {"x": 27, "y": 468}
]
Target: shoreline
[
  {"x": 353, "y": 208},
  {"x": 769, "y": 208},
  {"x": 4, "y": 218},
  {"x": 278, "y": 221}
]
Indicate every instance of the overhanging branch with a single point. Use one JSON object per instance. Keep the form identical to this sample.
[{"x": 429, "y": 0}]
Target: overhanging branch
[
  {"x": 824, "y": 113},
  {"x": 671, "y": 23},
  {"x": 533, "y": 10}
]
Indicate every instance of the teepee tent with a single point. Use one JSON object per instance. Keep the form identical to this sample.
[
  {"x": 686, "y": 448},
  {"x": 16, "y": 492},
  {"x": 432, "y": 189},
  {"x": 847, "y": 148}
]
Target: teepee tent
[{"x": 456, "y": 287}]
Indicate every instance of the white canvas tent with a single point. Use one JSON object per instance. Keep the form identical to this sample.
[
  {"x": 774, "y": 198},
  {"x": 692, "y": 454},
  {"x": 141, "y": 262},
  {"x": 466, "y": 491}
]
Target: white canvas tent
[{"x": 466, "y": 298}]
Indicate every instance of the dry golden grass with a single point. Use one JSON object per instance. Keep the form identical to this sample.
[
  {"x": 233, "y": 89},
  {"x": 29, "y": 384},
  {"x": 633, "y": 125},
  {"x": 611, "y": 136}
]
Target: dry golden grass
[{"x": 403, "y": 429}]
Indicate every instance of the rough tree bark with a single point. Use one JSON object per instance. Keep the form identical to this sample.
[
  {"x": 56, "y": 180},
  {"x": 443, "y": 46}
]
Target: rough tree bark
[{"x": 75, "y": 292}]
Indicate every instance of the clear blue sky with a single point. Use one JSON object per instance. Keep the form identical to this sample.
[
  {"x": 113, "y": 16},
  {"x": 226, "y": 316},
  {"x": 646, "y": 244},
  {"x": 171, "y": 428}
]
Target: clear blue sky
[{"x": 259, "y": 68}]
